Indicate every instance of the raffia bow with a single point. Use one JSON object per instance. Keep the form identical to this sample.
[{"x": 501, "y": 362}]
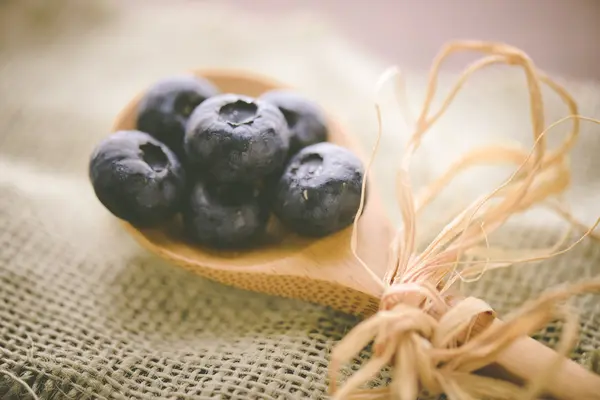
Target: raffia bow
[{"x": 435, "y": 339}]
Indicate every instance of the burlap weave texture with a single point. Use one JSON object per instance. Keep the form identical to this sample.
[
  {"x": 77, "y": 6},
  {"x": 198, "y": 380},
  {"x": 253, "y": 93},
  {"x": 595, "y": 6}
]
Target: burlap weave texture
[{"x": 86, "y": 313}]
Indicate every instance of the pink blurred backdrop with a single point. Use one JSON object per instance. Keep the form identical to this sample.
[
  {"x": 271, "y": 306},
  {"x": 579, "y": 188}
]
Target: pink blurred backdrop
[{"x": 562, "y": 36}]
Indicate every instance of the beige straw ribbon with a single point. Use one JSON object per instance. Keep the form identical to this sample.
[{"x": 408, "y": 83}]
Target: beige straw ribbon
[{"x": 435, "y": 339}]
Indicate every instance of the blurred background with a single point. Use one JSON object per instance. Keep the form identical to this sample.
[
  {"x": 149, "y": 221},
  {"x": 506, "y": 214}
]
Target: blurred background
[{"x": 560, "y": 35}]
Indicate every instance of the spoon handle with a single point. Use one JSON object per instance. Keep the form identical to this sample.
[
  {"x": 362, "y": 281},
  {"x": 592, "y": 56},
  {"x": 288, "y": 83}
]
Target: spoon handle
[{"x": 525, "y": 357}]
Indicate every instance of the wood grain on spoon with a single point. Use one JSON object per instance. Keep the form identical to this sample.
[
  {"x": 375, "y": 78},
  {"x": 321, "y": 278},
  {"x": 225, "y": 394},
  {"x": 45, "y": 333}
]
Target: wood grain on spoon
[{"x": 324, "y": 271}]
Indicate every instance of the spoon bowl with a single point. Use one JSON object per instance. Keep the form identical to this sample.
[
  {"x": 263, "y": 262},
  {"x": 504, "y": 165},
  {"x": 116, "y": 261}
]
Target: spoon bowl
[{"x": 322, "y": 270}]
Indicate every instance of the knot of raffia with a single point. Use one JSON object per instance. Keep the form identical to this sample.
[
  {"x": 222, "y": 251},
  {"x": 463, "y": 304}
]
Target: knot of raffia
[
  {"x": 441, "y": 344},
  {"x": 415, "y": 331}
]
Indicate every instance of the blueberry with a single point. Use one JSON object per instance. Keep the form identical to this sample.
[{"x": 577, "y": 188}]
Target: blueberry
[
  {"x": 305, "y": 119},
  {"x": 137, "y": 178},
  {"x": 236, "y": 138},
  {"x": 225, "y": 215},
  {"x": 319, "y": 191},
  {"x": 166, "y": 106}
]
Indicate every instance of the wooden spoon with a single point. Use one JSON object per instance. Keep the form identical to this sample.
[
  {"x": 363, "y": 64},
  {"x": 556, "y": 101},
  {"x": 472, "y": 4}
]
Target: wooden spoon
[{"x": 324, "y": 271}]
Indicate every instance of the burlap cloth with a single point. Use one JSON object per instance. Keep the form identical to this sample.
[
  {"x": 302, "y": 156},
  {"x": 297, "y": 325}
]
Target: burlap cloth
[{"x": 86, "y": 313}]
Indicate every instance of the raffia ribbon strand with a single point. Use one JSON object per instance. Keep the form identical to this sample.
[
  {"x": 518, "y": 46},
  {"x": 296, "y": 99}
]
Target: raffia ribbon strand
[{"x": 435, "y": 340}]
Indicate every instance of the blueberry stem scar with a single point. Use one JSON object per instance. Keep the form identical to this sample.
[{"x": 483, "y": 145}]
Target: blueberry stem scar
[
  {"x": 154, "y": 157},
  {"x": 238, "y": 113}
]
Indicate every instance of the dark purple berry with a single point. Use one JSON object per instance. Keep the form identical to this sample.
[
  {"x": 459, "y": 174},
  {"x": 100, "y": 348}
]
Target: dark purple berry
[
  {"x": 305, "y": 119},
  {"x": 236, "y": 138},
  {"x": 137, "y": 178},
  {"x": 319, "y": 191},
  {"x": 165, "y": 108},
  {"x": 225, "y": 215}
]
